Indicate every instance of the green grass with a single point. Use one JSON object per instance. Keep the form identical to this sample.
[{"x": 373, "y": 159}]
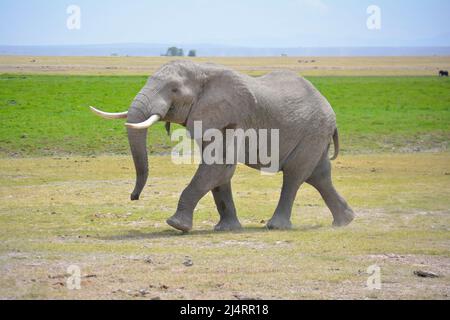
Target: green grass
[
  {"x": 48, "y": 115},
  {"x": 387, "y": 113}
]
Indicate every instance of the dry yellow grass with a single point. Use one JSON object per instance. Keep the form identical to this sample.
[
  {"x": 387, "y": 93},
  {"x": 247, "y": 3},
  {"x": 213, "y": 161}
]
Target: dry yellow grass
[
  {"x": 308, "y": 66},
  {"x": 75, "y": 211}
]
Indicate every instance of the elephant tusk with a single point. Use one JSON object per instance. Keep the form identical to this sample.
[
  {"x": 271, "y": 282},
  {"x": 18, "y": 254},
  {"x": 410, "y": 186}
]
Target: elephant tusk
[
  {"x": 146, "y": 124},
  {"x": 107, "y": 115}
]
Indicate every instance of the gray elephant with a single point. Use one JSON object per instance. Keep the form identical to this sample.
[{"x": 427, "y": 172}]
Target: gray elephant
[{"x": 184, "y": 92}]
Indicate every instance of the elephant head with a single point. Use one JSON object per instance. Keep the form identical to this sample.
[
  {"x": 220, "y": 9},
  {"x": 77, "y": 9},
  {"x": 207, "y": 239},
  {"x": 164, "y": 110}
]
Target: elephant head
[{"x": 169, "y": 95}]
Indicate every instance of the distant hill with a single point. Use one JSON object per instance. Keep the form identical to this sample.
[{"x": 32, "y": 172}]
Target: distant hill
[{"x": 217, "y": 50}]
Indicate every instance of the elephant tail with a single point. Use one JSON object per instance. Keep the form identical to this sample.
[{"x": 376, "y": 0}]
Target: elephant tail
[{"x": 336, "y": 144}]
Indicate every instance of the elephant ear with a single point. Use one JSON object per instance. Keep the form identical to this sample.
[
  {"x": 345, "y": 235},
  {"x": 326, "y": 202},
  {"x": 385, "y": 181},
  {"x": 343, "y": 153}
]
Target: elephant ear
[{"x": 226, "y": 100}]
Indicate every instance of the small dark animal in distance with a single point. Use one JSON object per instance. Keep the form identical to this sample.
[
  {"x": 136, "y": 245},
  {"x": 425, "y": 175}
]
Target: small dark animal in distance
[{"x": 443, "y": 73}]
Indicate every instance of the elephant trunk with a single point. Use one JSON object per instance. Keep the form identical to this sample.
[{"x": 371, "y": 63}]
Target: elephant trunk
[{"x": 138, "y": 145}]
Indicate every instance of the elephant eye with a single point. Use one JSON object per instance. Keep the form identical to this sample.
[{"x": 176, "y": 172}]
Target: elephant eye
[{"x": 175, "y": 90}]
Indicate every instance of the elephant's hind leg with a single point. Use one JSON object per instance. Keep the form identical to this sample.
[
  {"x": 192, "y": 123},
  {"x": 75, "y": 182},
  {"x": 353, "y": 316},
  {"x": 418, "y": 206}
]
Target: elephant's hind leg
[
  {"x": 281, "y": 219},
  {"x": 296, "y": 170},
  {"x": 223, "y": 198},
  {"x": 321, "y": 180}
]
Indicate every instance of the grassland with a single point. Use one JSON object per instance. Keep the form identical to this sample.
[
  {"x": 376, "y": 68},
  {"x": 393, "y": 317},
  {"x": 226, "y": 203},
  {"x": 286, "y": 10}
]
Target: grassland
[
  {"x": 75, "y": 211},
  {"x": 306, "y": 66},
  {"x": 43, "y": 115},
  {"x": 65, "y": 179}
]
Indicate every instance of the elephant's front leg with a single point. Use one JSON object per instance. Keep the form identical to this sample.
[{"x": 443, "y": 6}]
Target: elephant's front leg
[
  {"x": 223, "y": 198},
  {"x": 205, "y": 179}
]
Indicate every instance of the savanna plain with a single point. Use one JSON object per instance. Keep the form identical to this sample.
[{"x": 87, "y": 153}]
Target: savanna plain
[{"x": 66, "y": 175}]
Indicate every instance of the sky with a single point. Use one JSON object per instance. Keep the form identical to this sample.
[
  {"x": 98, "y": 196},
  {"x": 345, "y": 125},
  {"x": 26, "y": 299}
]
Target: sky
[{"x": 249, "y": 23}]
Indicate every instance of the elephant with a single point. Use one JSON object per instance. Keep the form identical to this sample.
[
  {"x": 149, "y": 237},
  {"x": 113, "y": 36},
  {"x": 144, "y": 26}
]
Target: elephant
[{"x": 185, "y": 92}]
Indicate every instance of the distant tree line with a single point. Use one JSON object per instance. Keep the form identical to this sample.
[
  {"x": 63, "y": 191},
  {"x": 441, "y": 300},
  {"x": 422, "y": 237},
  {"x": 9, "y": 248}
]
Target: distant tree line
[{"x": 179, "y": 52}]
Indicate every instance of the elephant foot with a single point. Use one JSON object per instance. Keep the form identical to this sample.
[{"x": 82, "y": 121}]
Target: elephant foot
[
  {"x": 277, "y": 223},
  {"x": 344, "y": 219},
  {"x": 180, "y": 222},
  {"x": 228, "y": 225}
]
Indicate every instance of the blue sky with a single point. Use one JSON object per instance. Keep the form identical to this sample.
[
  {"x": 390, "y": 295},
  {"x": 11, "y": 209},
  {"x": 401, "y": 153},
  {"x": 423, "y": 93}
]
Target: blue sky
[{"x": 253, "y": 23}]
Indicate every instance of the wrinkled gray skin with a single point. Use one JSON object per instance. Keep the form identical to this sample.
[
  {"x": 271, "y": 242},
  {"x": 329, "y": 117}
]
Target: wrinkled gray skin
[{"x": 183, "y": 92}]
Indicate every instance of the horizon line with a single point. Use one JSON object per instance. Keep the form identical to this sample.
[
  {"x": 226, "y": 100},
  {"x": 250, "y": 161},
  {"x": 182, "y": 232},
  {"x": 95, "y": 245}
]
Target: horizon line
[{"x": 221, "y": 45}]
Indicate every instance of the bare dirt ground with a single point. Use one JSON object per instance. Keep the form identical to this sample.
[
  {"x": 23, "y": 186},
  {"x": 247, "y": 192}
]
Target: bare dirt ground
[
  {"x": 58, "y": 212},
  {"x": 308, "y": 66}
]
